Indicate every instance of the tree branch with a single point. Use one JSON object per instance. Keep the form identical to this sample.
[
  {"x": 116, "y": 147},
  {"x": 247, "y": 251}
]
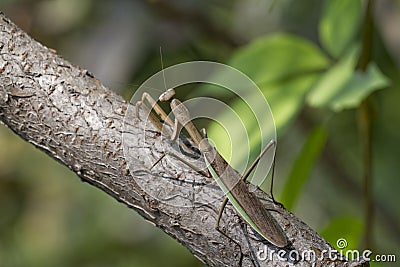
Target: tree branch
[{"x": 67, "y": 113}]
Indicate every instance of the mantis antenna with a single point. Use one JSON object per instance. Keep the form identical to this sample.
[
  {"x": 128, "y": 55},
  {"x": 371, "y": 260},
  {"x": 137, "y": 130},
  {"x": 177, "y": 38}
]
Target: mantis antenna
[{"x": 162, "y": 68}]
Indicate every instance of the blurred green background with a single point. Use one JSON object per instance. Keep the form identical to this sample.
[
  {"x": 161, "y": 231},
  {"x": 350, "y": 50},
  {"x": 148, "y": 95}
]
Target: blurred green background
[{"x": 309, "y": 58}]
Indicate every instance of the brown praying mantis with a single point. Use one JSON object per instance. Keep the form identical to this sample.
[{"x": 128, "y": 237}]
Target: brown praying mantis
[{"x": 229, "y": 180}]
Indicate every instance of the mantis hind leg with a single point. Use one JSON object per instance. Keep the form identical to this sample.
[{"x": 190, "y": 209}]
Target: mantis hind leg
[
  {"x": 221, "y": 210},
  {"x": 254, "y": 164}
]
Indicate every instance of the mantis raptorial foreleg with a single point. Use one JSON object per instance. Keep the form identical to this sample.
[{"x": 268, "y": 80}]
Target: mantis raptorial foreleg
[
  {"x": 155, "y": 106},
  {"x": 164, "y": 117}
]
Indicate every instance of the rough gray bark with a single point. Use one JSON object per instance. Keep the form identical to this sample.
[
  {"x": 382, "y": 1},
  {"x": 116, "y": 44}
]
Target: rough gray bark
[{"x": 67, "y": 113}]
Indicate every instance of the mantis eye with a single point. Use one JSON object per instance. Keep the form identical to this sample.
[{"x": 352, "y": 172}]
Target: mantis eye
[{"x": 167, "y": 95}]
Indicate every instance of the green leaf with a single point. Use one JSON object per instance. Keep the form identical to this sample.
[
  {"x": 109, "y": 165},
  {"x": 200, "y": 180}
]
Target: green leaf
[
  {"x": 342, "y": 87},
  {"x": 359, "y": 87},
  {"x": 302, "y": 166},
  {"x": 278, "y": 57},
  {"x": 274, "y": 58},
  {"x": 284, "y": 67},
  {"x": 333, "y": 80},
  {"x": 339, "y": 25}
]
